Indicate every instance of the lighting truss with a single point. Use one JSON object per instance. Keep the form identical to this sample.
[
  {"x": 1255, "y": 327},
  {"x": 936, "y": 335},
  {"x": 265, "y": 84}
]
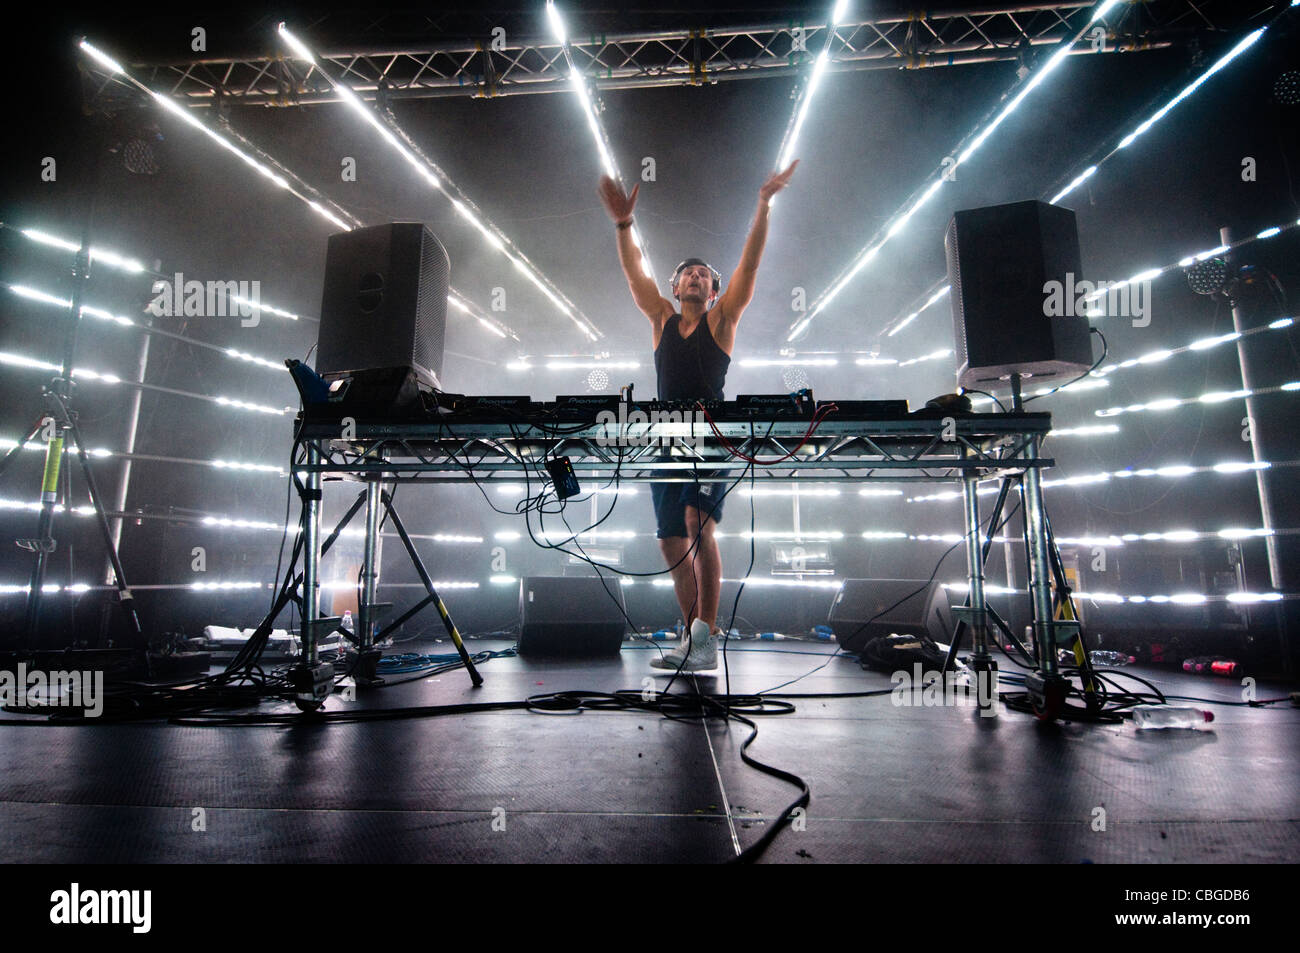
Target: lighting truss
[{"x": 481, "y": 66}]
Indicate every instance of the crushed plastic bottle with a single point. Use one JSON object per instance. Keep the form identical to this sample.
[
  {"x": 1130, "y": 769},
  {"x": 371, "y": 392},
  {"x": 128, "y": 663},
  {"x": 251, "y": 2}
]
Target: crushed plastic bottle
[
  {"x": 1146, "y": 717},
  {"x": 1106, "y": 658}
]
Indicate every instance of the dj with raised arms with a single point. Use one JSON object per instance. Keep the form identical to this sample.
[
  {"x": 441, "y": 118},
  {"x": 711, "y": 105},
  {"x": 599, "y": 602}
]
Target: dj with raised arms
[{"x": 693, "y": 341}]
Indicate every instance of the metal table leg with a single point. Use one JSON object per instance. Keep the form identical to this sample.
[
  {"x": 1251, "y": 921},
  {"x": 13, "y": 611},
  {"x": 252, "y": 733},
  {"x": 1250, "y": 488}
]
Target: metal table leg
[
  {"x": 982, "y": 663},
  {"x": 1046, "y": 687},
  {"x": 370, "y": 566},
  {"x": 312, "y": 680}
]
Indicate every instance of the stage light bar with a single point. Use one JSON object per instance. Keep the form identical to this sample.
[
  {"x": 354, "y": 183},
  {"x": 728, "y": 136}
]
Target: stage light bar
[
  {"x": 788, "y": 362},
  {"x": 104, "y": 453},
  {"x": 1170, "y": 471},
  {"x": 97, "y": 255},
  {"x": 1246, "y": 43},
  {"x": 590, "y": 365},
  {"x": 1089, "y": 431},
  {"x": 131, "y": 266},
  {"x": 39, "y": 446},
  {"x": 551, "y": 535},
  {"x": 785, "y": 155},
  {"x": 20, "y": 360},
  {"x": 786, "y": 534},
  {"x": 35, "y": 506},
  {"x": 224, "y": 522},
  {"x": 1081, "y": 178},
  {"x": 1212, "y": 397},
  {"x": 542, "y": 485},
  {"x": 593, "y": 123},
  {"x": 91, "y": 311},
  {"x": 768, "y": 581},
  {"x": 82, "y": 373},
  {"x": 929, "y": 302},
  {"x": 257, "y": 408},
  {"x": 439, "y": 181},
  {"x": 900, "y": 219},
  {"x": 1181, "y": 598},
  {"x": 184, "y": 115},
  {"x": 932, "y": 356},
  {"x": 788, "y": 491},
  {"x": 467, "y": 307}
]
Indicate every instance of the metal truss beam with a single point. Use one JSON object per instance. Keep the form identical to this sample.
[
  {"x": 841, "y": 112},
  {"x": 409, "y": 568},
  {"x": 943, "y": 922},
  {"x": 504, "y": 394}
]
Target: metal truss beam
[{"x": 480, "y": 68}]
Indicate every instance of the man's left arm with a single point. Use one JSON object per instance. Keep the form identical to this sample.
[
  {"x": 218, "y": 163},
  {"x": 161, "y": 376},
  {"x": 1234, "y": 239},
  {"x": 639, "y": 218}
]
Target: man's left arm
[{"x": 740, "y": 289}]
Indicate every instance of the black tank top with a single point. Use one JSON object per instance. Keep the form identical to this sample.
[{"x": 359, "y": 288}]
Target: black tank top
[{"x": 690, "y": 368}]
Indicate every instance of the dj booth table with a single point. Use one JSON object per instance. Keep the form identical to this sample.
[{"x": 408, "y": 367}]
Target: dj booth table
[{"x": 922, "y": 447}]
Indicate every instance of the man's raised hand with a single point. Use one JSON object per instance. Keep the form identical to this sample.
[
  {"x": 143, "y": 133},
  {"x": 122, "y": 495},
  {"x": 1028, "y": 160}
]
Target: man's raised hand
[
  {"x": 776, "y": 182},
  {"x": 618, "y": 204}
]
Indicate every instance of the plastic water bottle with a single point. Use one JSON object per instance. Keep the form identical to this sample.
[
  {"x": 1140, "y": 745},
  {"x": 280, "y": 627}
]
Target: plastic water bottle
[
  {"x": 1102, "y": 657},
  {"x": 347, "y": 620},
  {"x": 1166, "y": 716}
]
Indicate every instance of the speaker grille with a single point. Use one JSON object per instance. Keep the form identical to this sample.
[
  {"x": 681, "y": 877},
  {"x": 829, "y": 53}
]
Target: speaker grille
[
  {"x": 431, "y": 303},
  {"x": 955, "y": 296}
]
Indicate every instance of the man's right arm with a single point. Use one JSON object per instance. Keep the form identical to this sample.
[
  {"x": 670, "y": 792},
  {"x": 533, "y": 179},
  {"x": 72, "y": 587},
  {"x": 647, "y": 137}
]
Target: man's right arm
[
  {"x": 644, "y": 291},
  {"x": 619, "y": 205}
]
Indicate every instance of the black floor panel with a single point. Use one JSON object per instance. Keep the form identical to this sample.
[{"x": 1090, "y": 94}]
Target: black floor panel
[{"x": 889, "y": 783}]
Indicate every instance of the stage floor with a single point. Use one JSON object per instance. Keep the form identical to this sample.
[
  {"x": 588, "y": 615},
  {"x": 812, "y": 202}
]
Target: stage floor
[{"x": 889, "y": 783}]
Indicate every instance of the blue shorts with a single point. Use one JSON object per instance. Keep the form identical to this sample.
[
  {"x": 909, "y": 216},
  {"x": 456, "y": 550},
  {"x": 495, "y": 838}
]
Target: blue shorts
[{"x": 671, "y": 500}]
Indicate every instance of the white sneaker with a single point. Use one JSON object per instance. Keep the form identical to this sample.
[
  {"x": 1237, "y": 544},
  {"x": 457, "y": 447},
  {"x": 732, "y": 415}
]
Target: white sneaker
[{"x": 699, "y": 654}]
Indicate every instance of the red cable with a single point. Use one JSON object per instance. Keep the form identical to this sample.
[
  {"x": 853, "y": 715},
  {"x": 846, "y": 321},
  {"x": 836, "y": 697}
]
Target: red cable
[{"x": 816, "y": 422}]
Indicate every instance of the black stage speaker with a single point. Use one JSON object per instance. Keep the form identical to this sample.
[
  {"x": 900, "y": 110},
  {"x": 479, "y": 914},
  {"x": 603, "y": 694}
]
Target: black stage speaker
[
  {"x": 1012, "y": 608},
  {"x": 999, "y": 259},
  {"x": 383, "y": 313},
  {"x": 861, "y": 600},
  {"x": 571, "y": 616}
]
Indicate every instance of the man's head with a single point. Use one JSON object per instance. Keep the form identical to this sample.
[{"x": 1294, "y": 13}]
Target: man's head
[{"x": 696, "y": 280}]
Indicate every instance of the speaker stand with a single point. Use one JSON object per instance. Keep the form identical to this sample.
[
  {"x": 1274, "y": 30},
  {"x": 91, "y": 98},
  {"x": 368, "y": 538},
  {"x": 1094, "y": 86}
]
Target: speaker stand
[{"x": 309, "y": 696}]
